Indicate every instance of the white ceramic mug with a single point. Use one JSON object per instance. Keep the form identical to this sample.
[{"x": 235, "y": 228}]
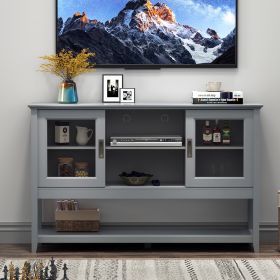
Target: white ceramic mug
[{"x": 213, "y": 86}]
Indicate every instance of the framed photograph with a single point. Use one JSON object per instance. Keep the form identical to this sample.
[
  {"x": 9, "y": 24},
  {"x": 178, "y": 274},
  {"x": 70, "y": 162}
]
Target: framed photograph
[
  {"x": 111, "y": 87},
  {"x": 127, "y": 95},
  {"x": 173, "y": 34}
]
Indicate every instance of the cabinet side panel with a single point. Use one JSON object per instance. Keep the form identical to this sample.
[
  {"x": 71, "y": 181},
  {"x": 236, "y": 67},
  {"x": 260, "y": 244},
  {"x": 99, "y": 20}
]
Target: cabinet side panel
[
  {"x": 256, "y": 179},
  {"x": 34, "y": 178}
]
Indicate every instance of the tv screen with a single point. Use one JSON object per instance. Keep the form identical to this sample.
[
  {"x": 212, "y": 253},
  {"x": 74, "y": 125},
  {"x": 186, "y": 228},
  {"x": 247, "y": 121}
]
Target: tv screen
[{"x": 148, "y": 33}]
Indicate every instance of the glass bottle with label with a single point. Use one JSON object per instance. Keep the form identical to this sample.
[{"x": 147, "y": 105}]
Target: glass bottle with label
[
  {"x": 226, "y": 131},
  {"x": 217, "y": 135},
  {"x": 207, "y": 135}
]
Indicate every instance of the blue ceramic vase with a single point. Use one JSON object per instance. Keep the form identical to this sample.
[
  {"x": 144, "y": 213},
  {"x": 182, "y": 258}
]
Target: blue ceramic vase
[{"x": 68, "y": 92}]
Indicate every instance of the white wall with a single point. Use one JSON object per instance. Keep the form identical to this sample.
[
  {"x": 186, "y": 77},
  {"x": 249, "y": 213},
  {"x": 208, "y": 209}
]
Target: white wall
[{"x": 28, "y": 31}]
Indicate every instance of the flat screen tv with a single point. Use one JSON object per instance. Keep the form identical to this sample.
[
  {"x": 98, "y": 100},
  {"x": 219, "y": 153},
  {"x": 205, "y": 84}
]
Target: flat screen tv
[{"x": 150, "y": 33}]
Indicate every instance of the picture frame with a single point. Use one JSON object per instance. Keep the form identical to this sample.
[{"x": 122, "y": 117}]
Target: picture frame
[
  {"x": 111, "y": 84},
  {"x": 127, "y": 95}
]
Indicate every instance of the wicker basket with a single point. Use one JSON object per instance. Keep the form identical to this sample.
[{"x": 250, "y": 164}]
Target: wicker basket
[{"x": 79, "y": 221}]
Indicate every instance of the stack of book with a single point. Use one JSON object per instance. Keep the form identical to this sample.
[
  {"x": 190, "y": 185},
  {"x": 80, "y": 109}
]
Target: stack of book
[{"x": 217, "y": 97}]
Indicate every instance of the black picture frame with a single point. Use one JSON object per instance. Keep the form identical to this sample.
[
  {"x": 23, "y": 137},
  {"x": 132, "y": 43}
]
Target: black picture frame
[
  {"x": 132, "y": 100},
  {"x": 112, "y": 96},
  {"x": 159, "y": 66}
]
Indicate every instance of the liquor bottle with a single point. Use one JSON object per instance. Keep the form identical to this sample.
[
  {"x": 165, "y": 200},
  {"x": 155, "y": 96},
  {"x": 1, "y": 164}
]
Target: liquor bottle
[
  {"x": 226, "y": 131},
  {"x": 207, "y": 134},
  {"x": 217, "y": 135}
]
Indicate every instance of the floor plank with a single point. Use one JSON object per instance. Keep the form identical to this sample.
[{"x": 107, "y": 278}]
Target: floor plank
[{"x": 140, "y": 251}]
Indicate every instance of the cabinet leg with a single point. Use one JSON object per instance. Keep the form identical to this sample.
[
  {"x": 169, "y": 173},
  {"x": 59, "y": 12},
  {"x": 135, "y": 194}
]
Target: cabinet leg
[
  {"x": 256, "y": 247},
  {"x": 36, "y": 223},
  {"x": 34, "y": 246},
  {"x": 253, "y": 224}
]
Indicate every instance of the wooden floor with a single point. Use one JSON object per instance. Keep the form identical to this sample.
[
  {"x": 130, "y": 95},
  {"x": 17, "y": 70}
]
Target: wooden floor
[{"x": 140, "y": 251}]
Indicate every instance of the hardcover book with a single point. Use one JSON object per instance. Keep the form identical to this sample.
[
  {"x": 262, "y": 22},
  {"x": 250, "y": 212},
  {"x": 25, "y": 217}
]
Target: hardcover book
[
  {"x": 218, "y": 94},
  {"x": 217, "y": 100}
]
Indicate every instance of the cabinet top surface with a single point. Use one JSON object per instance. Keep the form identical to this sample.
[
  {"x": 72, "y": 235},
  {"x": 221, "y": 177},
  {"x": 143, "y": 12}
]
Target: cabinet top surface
[{"x": 104, "y": 106}]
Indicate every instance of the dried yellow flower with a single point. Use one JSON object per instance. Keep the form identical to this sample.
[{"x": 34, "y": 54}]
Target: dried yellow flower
[{"x": 67, "y": 65}]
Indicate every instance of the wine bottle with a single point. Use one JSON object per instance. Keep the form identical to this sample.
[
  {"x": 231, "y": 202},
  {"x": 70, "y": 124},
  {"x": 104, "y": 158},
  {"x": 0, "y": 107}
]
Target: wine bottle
[
  {"x": 217, "y": 135},
  {"x": 226, "y": 131},
  {"x": 207, "y": 135}
]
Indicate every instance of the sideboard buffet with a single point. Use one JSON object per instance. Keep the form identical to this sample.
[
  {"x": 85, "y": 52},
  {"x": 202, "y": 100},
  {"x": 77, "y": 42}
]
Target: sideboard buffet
[{"x": 189, "y": 172}]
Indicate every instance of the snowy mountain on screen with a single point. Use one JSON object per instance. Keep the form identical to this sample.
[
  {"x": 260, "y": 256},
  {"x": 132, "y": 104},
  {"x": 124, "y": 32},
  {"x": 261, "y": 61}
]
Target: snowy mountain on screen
[{"x": 143, "y": 33}]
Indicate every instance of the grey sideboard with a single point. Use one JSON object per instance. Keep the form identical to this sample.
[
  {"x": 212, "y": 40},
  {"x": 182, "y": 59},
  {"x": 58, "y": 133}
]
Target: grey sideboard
[{"x": 193, "y": 171}]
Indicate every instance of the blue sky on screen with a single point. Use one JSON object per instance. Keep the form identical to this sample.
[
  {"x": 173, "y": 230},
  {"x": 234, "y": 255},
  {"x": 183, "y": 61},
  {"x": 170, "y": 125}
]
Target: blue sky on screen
[{"x": 200, "y": 14}]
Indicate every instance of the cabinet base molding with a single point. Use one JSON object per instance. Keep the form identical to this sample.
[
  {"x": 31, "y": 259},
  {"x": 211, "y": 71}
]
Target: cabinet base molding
[{"x": 20, "y": 233}]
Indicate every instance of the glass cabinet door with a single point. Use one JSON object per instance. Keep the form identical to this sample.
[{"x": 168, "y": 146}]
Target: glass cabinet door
[
  {"x": 219, "y": 148},
  {"x": 71, "y": 148}
]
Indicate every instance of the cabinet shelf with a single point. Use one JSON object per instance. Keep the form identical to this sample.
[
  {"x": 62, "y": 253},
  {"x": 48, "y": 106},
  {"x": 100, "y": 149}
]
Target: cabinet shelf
[
  {"x": 71, "y": 147},
  {"x": 150, "y": 234},
  {"x": 145, "y": 187},
  {"x": 146, "y": 148},
  {"x": 117, "y": 192},
  {"x": 219, "y": 147}
]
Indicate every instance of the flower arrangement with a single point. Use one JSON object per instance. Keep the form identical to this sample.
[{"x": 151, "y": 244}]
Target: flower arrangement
[{"x": 67, "y": 65}]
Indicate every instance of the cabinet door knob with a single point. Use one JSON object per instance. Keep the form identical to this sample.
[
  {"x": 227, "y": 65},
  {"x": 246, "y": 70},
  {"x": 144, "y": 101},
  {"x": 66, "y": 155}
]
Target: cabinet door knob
[
  {"x": 189, "y": 148},
  {"x": 101, "y": 148}
]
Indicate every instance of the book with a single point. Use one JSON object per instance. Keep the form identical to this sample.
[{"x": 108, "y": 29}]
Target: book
[
  {"x": 217, "y": 100},
  {"x": 218, "y": 94}
]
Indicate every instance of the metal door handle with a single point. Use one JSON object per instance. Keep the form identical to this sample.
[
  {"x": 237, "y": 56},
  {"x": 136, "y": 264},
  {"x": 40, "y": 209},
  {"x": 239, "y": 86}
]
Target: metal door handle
[
  {"x": 101, "y": 148},
  {"x": 189, "y": 148}
]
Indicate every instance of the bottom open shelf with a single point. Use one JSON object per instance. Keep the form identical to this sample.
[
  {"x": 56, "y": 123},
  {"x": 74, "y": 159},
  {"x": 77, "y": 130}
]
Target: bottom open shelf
[{"x": 150, "y": 234}]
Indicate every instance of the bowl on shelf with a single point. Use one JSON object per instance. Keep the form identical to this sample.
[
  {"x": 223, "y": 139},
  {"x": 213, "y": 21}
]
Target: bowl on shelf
[{"x": 135, "y": 178}]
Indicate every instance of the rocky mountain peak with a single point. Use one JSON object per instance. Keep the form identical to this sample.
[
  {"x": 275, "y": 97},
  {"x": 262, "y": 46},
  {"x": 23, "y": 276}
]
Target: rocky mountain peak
[
  {"x": 149, "y": 15},
  {"x": 213, "y": 34},
  {"x": 135, "y": 4},
  {"x": 142, "y": 15},
  {"x": 190, "y": 28},
  {"x": 79, "y": 21},
  {"x": 160, "y": 11},
  {"x": 83, "y": 17},
  {"x": 164, "y": 12}
]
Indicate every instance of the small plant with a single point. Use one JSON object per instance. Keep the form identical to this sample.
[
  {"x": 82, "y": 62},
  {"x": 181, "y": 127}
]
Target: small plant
[{"x": 67, "y": 65}]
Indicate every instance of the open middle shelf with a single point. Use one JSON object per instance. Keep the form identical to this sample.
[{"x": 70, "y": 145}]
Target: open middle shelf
[{"x": 166, "y": 165}]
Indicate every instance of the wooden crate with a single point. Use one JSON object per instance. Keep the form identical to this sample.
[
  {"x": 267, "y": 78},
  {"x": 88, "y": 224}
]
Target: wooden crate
[{"x": 79, "y": 221}]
